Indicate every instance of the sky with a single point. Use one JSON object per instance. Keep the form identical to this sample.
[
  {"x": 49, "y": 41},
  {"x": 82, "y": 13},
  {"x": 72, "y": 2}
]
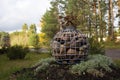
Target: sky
[{"x": 14, "y": 13}]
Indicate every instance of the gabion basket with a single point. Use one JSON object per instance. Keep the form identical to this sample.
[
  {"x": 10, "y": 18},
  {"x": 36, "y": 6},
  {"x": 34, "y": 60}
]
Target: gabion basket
[{"x": 69, "y": 46}]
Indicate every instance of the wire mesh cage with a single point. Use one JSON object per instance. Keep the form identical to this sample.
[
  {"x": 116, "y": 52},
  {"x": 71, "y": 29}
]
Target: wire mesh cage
[{"x": 69, "y": 46}]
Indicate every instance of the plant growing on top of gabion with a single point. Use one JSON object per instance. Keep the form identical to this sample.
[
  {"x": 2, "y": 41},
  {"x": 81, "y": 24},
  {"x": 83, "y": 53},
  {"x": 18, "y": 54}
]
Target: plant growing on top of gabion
[{"x": 17, "y": 52}]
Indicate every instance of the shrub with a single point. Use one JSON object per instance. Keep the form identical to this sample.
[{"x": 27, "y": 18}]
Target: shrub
[
  {"x": 17, "y": 52},
  {"x": 27, "y": 75},
  {"x": 96, "y": 65},
  {"x": 96, "y": 47},
  {"x": 43, "y": 64},
  {"x": 3, "y": 50},
  {"x": 117, "y": 62}
]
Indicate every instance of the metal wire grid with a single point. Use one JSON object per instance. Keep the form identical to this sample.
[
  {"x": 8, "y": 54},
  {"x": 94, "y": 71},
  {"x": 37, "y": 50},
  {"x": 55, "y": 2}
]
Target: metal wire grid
[{"x": 70, "y": 45}]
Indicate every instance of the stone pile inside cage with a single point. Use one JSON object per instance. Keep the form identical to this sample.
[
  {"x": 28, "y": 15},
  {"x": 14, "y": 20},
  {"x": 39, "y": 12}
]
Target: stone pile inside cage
[{"x": 70, "y": 45}]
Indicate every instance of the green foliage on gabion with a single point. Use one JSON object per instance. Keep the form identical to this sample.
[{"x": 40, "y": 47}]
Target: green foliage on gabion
[
  {"x": 96, "y": 65},
  {"x": 96, "y": 47},
  {"x": 17, "y": 52},
  {"x": 43, "y": 64}
]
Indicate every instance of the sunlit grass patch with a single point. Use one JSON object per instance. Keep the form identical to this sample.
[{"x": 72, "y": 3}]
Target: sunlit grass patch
[
  {"x": 112, "y": 45},
  {"x": 9, "y": 66}
]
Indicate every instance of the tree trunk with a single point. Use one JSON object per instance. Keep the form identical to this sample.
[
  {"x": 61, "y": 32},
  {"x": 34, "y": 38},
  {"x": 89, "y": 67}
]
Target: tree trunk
[
  {"x": 110, "y": 21},
  {"x": 100, "y": 21},
  {"x": 96, "y": 25},
  {"x": 119, "y": 12}
]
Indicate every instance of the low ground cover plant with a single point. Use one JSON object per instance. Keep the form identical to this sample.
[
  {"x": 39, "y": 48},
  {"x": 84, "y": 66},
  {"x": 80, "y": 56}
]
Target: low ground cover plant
[{"x": 96, "y": 65}]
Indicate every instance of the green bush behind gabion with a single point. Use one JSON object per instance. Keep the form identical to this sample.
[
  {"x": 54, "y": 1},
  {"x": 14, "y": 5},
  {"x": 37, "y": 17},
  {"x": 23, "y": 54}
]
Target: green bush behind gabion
[
  {"x": 17, "y": 52},
  {"x": 96, "y": 47}
]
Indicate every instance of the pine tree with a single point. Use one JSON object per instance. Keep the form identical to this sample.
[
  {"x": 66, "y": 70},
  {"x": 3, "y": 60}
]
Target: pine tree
[
  {"x": 4, "y": 40},
  {"x": 34, "y": 40},
  {"x": 32, "y": 29},
  {"x": 25, "y": 27}
]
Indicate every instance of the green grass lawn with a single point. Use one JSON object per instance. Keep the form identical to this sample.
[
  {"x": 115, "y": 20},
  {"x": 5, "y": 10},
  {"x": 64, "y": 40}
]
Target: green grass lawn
[
  {"x": 7, "y": 66},
  {"x": 112, "y": 45}
]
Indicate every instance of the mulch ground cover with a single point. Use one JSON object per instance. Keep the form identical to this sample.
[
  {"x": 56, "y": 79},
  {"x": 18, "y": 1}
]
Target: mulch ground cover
[{"x": 62, "y": 72}]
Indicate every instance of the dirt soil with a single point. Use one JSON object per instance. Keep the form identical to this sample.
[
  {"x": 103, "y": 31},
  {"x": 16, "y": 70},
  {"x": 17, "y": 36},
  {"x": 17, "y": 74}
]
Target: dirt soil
[
  {"x": 62, "y": 73},
  {"x": 113, "y": 53}
]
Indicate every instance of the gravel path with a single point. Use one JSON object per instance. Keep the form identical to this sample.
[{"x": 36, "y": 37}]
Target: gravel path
[{"x": 113, "y": 53}]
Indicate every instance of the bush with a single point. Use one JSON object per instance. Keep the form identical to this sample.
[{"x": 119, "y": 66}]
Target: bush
[
  {"x": 27, "y": 75},
  {"x": 117, "y": 62},
  {"x": 17, "y": 52},
  {"x": 43, "y": 64},
  {"x": 96, "y": 47},
  {"x": 3, "y": 50},
  {"x": 96, "y": 65}
]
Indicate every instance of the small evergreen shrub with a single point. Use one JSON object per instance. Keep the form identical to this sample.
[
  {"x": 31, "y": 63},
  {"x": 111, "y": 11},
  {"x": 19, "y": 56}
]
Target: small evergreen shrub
[
  {"x": 96, "y": 47},
  {"x": 43, "y": 64},
  {"x": 96, "y": 65},
  {"x": 17, "y": 52},
  {"x": 28, "y": 75},
  {"x": 3, "y": 50},
  {"x": 117, "y": 62}
]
